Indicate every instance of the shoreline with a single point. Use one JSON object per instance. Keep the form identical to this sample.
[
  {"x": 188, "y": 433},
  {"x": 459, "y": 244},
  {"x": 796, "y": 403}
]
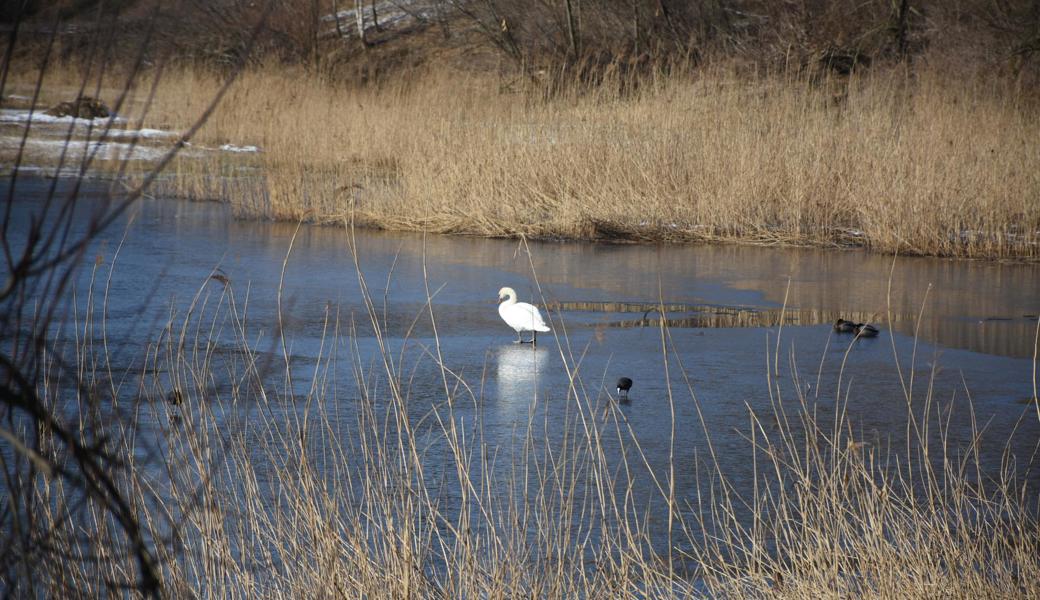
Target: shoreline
[{"x": 649, "y": 237}]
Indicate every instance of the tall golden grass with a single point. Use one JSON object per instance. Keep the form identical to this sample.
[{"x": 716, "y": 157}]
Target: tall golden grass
[
  {"x": 893, "y": 160},
  {"x": 913, "y": 161},
  {"x": 251, "y": 488}
]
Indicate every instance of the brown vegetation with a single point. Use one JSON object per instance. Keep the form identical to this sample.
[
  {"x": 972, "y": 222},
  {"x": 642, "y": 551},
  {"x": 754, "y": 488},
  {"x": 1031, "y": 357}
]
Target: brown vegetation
[
  {"x": 83, "y": 107},
  {"x": 899, "y": 126},
  {"x": 895, "y": 161}
]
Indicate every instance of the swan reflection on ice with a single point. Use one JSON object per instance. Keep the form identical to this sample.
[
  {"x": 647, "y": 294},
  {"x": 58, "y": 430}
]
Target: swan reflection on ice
[{"x": 520, "y": 372}]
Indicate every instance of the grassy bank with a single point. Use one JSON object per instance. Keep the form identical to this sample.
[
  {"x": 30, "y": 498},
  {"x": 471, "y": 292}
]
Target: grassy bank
[
  {"x": 918, "y": 164},
  {"x": 896, "y": 160}
]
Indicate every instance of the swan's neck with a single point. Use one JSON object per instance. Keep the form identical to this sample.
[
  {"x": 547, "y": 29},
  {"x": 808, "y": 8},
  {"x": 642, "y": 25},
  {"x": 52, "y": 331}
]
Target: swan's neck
[{"x": 510, "y": 299}]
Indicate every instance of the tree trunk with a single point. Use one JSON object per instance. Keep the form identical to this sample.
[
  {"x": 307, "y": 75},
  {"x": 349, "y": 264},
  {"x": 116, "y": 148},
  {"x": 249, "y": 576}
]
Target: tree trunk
[
  {"x": 315, "y": 34},
  {"x": 635, "y": 28},
  {"x": 441, "y": 14},
  {"x": 901, "y": 27},
  {"x": 335, "y": 13},
  {"x": 359, "y": 17},
  {"x": 572, "y": 29}
]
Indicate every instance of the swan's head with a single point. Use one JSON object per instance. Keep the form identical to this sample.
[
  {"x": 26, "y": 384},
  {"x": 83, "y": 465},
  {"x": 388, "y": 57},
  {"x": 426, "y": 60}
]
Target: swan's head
[{"x": 506, "y": 292}]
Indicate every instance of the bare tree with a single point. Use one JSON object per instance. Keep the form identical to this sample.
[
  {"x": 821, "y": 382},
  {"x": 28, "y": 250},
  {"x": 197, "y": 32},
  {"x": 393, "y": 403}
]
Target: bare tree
[
  {"x": 359, "y": 17},
  {"x": 573, "y": 36}
]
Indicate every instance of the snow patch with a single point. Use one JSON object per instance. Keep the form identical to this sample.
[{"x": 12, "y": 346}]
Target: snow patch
[
  {"x": 140, "y": 133},
  {"x": 391, "y": 13},
  {"x": 102, "y": 150},
  {"x": 11, "y": 115},
  {"x": 234, "y": 148}
]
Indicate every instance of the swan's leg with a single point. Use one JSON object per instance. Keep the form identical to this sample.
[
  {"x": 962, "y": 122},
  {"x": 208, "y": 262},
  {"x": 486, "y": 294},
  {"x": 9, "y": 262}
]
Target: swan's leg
[
  {"x": 519, "y": 339},
  {"x": 534, "y": 338}
]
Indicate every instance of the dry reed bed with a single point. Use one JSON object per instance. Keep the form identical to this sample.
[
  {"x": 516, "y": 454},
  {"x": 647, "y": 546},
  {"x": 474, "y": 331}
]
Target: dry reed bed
[
  {"x": 916, "y": 163},
  {"x": 252, "y": 489},
  {"x": 919, "y": 164}
]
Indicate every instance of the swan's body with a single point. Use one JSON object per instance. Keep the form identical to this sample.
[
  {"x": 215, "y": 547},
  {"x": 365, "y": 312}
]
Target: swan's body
[{"x": 521, "y": 316}]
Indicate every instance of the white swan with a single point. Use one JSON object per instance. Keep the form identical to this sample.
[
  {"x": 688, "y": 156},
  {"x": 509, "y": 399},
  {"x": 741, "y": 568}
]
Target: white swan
[{"x": 521, "y": 316}]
